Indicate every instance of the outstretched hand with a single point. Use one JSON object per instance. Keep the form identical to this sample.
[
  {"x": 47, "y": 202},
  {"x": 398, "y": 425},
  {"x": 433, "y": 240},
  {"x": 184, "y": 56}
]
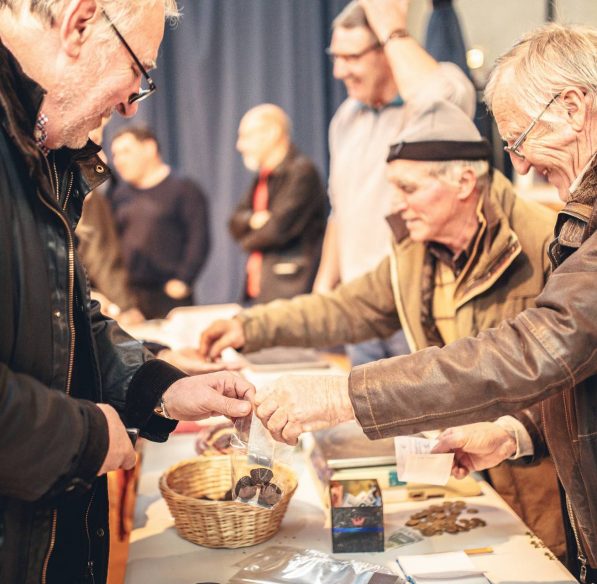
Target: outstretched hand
[
  {"x": 201, "y": 396},
  {"x": 304, "y": 403},
  {"x": 219, "y": 335},
  {"x": 476, "y": 446}
]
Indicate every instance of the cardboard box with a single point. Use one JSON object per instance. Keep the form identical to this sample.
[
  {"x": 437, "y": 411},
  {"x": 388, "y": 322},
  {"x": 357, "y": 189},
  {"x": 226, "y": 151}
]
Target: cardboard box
[{"x": 357, "y": 516}]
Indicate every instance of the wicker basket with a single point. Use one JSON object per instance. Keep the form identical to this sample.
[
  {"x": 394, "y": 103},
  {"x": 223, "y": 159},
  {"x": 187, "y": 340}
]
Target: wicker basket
[{"x": 220, "y": 524}]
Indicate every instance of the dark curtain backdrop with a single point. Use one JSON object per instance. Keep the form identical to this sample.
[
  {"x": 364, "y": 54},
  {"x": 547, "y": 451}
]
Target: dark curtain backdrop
[{"x": 222, "y": 58}]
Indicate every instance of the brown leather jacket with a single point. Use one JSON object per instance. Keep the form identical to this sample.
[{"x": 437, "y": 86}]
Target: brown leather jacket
[{"x": 546, "y": 353}]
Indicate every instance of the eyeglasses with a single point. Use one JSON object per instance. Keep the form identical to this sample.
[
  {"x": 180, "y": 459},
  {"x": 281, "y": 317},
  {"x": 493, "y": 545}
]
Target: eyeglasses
[
  {"x": 514, "y": 149},
  {"x": 143, "y": 93},
  {"x": 351, "y": 57}
]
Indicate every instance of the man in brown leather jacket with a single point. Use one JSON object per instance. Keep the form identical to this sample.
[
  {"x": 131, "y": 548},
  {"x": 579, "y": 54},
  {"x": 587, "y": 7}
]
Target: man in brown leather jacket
[
  {"x": 469, "y": 253},
  {"x": 543, "y": 95}
]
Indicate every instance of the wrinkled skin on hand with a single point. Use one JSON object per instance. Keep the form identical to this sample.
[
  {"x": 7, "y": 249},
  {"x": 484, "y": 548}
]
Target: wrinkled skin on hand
[
  {"x": 297, "y": 404},
  {"x": 476, "y": 446},
  {"x": 201, "y": 396}
]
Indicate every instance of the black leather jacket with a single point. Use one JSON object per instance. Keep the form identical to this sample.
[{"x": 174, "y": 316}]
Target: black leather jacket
[
  {"x": 547, "y": 354},
  {"x": 58, "y": 355}
]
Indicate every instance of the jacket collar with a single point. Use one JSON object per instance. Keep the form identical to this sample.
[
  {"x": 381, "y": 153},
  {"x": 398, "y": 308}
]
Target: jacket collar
[
  {"x": 20, "y": 101},
  {"x": 576, "y": 221},
  {"x": 497, "y": 246}
]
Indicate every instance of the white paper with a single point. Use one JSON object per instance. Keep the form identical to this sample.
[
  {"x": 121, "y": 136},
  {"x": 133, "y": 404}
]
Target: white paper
[
  {"x": 414, "y": 463},
  {"x": 442, "y": 566}
]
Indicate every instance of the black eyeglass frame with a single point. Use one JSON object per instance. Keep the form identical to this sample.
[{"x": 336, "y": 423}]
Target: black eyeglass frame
[
  {"x": 514, "y": 149},
  {"x": 143, "y": 93},
  {"x": 352, "y": 56}
]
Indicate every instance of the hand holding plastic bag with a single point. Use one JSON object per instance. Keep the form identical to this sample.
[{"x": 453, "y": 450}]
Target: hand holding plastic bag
[{"x": 304, "y": 403}]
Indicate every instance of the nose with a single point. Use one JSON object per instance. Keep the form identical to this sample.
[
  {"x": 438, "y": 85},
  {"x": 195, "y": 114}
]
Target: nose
[
  {"x": 340, "y": 70},
  {"x": 521, "y": 165},
  {"x": 126, "y": 109},
  {"x": 399, "y": 203}
]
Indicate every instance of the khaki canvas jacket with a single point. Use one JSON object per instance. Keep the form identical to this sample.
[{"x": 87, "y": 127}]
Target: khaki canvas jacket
[
  {"x": 546, "y": 354},
  {"x": 507, "y": 275},
  {"x": 389, "y": 297}
]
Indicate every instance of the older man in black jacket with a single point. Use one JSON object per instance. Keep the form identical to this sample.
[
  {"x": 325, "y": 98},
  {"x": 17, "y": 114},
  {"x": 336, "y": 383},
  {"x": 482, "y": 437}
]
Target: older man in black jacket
[
  {"x": 281, "y": 219},
  {"x": 70, "y": 379}
]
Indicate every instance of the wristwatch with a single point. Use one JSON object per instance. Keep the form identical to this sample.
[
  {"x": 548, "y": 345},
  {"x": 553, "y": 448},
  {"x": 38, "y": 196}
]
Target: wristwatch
[{"x": 161, "y": 409}]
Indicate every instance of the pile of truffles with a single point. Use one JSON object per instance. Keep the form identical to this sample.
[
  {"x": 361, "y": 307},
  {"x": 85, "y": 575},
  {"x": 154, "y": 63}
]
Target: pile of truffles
[
  {"x": 444, "y": 518},
  {"x": 259, "y": 479}
]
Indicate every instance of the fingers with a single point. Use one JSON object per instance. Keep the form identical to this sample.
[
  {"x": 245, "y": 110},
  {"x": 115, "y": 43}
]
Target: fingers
[
  {"x": 449, "y": 440},
  {"x": 277, "y": 423},
  {"x": 231, "y": 384},
  {"x": 219, "y": 345},
  {"x": 459, "y": 472},
  {"x": 291, "y": 433},
  {"x": 220, "y": 335},
  {"x": 228, "y": 406},
  {"x": 121, "y": 453},
  {"x": 211, "y": 334},
  {"x": 265, "y": 408}
]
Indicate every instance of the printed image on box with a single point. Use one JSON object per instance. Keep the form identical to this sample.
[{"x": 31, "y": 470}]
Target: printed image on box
[{"x": 357, "y": 516}]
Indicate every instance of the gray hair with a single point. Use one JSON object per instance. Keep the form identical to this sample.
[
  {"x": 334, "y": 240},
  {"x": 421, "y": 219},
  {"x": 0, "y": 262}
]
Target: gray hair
[
  {"x": 352, "y": 16},
  {"x": 123, "y": 13},
  {"x": 450, "y": 171},
  {"x": 544, "y": 62}
]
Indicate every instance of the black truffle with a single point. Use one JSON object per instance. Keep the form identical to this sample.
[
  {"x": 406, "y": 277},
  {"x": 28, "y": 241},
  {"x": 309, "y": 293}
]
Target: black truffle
[
  {"x": 270, "y": 494},
  {"x": 261, "y": 476},
  {"x": 245, "y": 488}
]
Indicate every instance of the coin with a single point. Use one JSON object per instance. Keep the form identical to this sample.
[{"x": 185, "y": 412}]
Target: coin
[{"x": 444, "y": 518}]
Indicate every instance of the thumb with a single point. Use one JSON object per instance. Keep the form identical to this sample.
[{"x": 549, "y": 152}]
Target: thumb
[
  {"x": 230, "y": 407},
  {"x": 448, "y": 441}
]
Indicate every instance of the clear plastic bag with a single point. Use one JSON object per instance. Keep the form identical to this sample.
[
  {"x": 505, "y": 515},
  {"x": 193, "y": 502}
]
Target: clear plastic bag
[
  {"x": 261, "y": 472},
  {"x": 284, "y": 564}
]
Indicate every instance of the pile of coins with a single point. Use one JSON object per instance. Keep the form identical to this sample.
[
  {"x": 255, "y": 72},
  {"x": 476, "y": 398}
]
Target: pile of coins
[
  {"x": 260, "y": 478},
  {"x": 445, "y": 518}
]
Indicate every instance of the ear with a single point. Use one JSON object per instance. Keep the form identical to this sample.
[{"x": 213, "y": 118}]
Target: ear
[
  {"x": 575, "y": 102},
  {"x": 75, "y": 26},
  {"x": 466, "y": 184}
]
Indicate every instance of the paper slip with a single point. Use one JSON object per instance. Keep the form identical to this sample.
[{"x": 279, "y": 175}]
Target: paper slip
[
  {"x": 443, "y": 567},
  {"x": 415, "y": 464}
]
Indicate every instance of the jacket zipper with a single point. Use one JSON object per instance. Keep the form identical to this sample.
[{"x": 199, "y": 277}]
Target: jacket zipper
[
  {"x": 44, "y": 571},
  {"x": 581, "y": 556},
  {"x": 71, "y": 325},
  {"x": 89, "y": 560}
]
